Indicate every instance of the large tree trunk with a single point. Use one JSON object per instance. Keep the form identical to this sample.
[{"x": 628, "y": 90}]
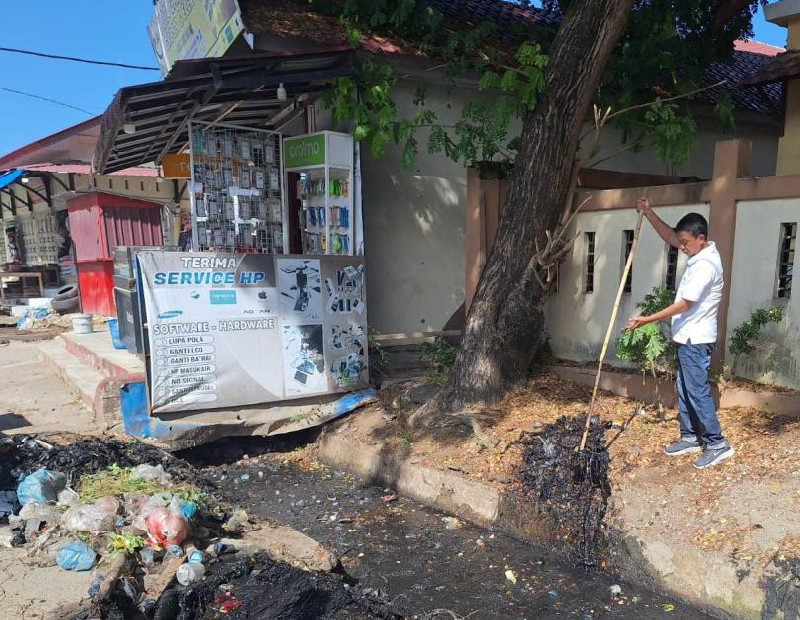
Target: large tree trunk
[{"x": 505, "y": 324}]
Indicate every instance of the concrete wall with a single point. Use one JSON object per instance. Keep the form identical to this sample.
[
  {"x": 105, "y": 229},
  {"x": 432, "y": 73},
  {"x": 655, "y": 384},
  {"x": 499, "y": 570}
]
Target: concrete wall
[
  {"x": 413, "y": 229},
  {"x": 763, "y": 135},
  {"x": 414, "y": 233},
  {"x": 755, "y": 260},
  {"x": 577, "y": 321}
]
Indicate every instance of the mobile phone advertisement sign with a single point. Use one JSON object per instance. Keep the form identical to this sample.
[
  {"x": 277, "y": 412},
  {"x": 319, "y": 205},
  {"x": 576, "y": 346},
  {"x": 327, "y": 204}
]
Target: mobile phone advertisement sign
[{"x": 229, "y": 330}]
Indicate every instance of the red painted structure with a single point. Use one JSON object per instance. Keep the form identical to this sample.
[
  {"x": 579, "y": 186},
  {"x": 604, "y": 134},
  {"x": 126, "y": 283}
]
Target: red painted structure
[{"x": 98, "y": 223}]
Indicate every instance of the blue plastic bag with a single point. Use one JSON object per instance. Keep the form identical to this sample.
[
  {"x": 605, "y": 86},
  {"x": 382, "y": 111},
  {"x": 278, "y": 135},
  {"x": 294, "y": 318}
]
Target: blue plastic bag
[
  {"x": 42, "y": 486},
  {"x": 31, "y": 317},
  {"x": 77, "y": 556},
  {"x": 188, "y": 509}
]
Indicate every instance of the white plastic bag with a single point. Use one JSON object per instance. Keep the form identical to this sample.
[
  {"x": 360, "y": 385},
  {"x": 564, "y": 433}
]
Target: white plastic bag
[
  {"x": 152, "y": 473},
  {"x": 95, "y": 517},
  {"x": 40, "y": 512},
  {"x": 68, "y": 497}
]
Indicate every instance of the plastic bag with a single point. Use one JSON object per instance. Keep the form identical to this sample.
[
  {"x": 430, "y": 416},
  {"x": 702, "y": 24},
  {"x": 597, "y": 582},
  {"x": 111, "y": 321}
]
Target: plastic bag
[
  {"x": 31, "y": 317},
  {"x": 68, "y": 497},
  {"x": 94, "y": 517},
  {"x": 152, "y": 473},
  {"x": 166, "y": 526},
  {"x": 76, "y": 556},
  {"x": 40, "y": 512},
  {"x": 188, "y": 509},
  {"x": 8, "y": 500},
  {"x": 41, "y": 486}
]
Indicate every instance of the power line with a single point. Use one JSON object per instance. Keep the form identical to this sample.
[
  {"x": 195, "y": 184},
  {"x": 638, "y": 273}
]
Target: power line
[
  {"x": 73, "y": 59},
  {"x": 61, "y": 103}
]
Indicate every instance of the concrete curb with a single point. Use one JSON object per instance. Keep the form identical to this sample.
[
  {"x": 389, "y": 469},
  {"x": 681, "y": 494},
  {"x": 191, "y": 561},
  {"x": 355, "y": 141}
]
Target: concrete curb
[
  {"x": 98, "y": 392},
  {"x": 632, "y": 386},
  {"x": 684, "y": 572},
  {"x": 448, "y": 492}
]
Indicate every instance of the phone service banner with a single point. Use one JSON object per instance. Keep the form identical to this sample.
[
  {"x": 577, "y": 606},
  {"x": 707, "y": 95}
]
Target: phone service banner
[{"x": 227, "y": 330}]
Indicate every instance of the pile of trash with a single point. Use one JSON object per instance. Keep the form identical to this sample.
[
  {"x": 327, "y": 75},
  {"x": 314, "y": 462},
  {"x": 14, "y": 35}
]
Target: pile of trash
[
  {"x": 42, "y": 318},
  {"x": 569, "y": 487},
  {"x": 159, "y": 545},
  {"x": 95, "y": 505}
]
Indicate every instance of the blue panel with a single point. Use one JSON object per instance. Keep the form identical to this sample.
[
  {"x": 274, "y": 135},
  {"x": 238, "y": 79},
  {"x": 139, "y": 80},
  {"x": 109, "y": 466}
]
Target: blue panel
[
  {"x": 10, "y": 177},
  {"x": 135, "y": 409}
]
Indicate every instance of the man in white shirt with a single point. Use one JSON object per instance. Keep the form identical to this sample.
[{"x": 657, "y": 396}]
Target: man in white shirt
[{"x": 694, "y": 330}]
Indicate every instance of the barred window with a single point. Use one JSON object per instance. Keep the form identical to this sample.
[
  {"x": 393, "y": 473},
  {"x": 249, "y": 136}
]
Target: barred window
[
  {"x": 671, "y": 277},
  {"x": 786, "y": 248},
  {"x": 588, "y": 263}
]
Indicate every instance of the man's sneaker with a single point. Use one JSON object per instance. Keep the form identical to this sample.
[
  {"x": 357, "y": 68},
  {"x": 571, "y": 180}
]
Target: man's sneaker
[
  {"x": 712, "y": 456},
  {"x": 684, "y": 446}
]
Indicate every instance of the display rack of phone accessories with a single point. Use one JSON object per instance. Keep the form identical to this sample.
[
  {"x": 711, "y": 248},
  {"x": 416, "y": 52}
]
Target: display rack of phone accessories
[
  {"x": 324, "y": 161},
  {"x": 237, "y": 192}
]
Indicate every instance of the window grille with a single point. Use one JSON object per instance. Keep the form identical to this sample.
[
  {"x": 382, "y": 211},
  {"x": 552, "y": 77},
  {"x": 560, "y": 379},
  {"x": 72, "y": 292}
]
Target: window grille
[
  {"x": 671, "y": 277},
  {"x": 788, "y": 242},
  {"x": 588, "y": 272},
  {"x": 627, "y": 246}
]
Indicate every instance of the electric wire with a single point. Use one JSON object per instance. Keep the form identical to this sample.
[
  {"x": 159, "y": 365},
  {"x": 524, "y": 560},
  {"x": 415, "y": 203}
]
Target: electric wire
[
  {"x": 61, "y": 103},
  {"x": 74, "y": 59}
]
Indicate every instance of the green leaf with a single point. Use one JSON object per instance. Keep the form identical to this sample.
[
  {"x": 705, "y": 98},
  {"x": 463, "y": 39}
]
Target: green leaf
[{"x": 410, "y": 152}]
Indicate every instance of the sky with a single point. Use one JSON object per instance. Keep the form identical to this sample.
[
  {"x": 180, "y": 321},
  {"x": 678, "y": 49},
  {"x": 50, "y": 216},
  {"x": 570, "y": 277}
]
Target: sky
[{"x": 114, "y": 31}]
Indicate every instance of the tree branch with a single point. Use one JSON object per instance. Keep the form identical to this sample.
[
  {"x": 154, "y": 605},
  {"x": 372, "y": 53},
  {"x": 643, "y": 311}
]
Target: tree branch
[
  {"x": 625, "y": 149},
  {"x": 675, "y": 98}
]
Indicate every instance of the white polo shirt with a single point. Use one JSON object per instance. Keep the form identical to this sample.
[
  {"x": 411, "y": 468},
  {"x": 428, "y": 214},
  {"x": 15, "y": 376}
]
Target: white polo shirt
[{"x": 702, "y": 284}]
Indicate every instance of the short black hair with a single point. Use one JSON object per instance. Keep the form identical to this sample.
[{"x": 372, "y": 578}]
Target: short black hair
[{"x": 693, "y": 223}]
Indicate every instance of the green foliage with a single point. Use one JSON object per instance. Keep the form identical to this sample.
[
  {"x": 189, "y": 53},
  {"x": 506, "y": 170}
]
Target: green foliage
[
  {"x": 379, "y": 362},
  {"x": 744, "y": 336},
  {"x": 439, "y": 356},
  {"x": 127, "y": 543},
  {"x": 650, "y": 347},
  {"x": 673, "y": 135},
  {"x": 662, "y": 55}
]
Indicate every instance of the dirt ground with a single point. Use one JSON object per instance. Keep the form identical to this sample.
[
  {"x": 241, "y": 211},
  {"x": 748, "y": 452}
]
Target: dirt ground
[
  {"x": 34, "y": 400},
  {"x": 742, "y": 511}
]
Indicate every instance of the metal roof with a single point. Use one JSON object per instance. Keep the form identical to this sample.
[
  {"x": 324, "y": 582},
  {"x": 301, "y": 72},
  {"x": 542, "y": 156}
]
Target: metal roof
[{"x": 239, "y": 91}]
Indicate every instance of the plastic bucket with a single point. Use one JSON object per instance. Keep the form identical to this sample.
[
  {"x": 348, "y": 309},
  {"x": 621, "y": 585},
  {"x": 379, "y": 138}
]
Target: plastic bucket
[
  {"x": 82, "y": 323},
  {"x": 113, "y": 329}
]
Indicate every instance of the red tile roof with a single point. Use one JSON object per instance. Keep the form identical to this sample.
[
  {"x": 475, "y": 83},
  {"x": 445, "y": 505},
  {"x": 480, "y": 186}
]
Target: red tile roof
[{"x": 756, "y": 47}]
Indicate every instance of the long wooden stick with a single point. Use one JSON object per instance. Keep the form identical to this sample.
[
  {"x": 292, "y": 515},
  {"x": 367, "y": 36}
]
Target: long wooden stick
[{"x": 610, "y": 329}]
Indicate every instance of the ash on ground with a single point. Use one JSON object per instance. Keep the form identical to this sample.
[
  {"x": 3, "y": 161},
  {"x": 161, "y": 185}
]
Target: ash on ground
[
  {"x": 570, "y": 487},
  {"x": 23, "y": 455},
  {"x": 263, "y": 588}
]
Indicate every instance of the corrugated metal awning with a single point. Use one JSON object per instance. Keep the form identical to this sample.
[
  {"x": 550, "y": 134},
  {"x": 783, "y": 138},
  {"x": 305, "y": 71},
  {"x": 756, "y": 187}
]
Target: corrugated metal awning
[{"x": 240, "y": 91}]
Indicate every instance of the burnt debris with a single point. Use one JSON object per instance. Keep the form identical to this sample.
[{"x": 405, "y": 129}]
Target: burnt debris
[{"x": 570, "y": 487}]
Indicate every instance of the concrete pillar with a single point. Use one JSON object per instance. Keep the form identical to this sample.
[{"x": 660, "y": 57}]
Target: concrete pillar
[
  {"x": 485, "y": 200},
  {"x": 731, "y": 161},
  {"x": 787, "y": 13}
]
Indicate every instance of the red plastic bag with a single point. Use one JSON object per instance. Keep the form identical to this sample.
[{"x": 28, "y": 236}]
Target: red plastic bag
[{"x": 166, "y": 527}]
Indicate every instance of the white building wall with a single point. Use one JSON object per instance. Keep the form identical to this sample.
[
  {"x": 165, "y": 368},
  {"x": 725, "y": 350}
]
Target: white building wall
[
  {"x": 577, "y": 321},
  {"x": 755, "y": 263}
]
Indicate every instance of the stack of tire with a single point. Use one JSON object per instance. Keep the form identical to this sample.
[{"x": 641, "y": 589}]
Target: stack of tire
[{"x": 66, "y": 300}]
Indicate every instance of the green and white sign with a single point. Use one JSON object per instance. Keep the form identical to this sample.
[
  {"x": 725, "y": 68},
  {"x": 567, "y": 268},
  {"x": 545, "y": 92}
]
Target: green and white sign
[{"x": 304, "y": 151}]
